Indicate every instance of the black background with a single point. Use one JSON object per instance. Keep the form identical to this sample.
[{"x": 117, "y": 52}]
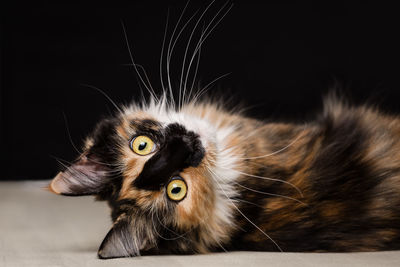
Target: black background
[{"x": 282, "y": 58}]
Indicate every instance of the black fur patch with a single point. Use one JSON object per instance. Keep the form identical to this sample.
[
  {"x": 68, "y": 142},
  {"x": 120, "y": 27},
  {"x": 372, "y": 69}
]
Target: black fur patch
[
  {"x": 104, "y": 137},
  {"x": 89, "y": 174},
  {"x": 149, "y": 128},
  {"x": 180, "y": 149}
]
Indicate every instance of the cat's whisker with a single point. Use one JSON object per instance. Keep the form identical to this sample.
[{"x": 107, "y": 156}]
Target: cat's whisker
[
  {"x": 268, "y": 178},
  {"x": 64, "y": 163},
  {"x": 180, "y": 33},
  {"x": 161, "y": 58},
  {"x": 184, "y": 234},
  {"x": 170, "y": 230},
  {"x": 204, "y": 35},
  {"x": 104, "y": 94},
  {"x": 74, "y": 171},
  {"x": 270, "y": 194},
  {"x": 244, "y": 216},
  {"x": 104, "y": 163},
  {"x": 215, "y": 25},
  {"x": 150, "y": 90},
  {"x": 255, "y": 133},
  {"x": 170, "y": 50},
  {"x": 158, "y": 234},
  {"x": 186, "y": 52},
  {"x": 280, "y": 150},
  {"x": 259, "y": 177},
  {"x": 60, "y": 160},
  {"x": 110, "y": 174},
  {"x": 220, "y": 245},
  {"x": 179, "y": 236},
  {"x": 207, "y": 87},
  {"x": 145, "y": 75},
  {"x": 195, "y": 71},
  {"x": 69, "y": 134},
  {"x": 248, "y": 202}
]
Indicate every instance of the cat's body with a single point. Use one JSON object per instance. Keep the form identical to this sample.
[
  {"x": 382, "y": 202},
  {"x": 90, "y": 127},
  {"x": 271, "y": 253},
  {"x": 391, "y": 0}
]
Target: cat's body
[
  {"x": 185, "y": 176},
  {"x": 346, "y": 165},
  {"x": 332, "y": 184}
]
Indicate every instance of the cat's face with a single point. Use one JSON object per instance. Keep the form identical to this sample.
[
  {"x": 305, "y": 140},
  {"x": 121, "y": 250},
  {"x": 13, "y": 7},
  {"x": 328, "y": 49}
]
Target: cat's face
[{"x": 156, "y": 168}]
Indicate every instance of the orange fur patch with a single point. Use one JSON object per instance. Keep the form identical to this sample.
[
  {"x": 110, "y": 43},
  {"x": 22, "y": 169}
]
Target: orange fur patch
[{"x": 199, "y": 202}]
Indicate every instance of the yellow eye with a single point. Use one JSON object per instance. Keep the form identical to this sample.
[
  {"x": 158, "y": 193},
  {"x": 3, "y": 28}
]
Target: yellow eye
[
  {"x": 176, "y": 189},
  {"x": 142, "y": 145}
]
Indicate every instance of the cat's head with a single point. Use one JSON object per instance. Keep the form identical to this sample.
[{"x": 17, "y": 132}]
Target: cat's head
[{"x": 160, "y": 171}]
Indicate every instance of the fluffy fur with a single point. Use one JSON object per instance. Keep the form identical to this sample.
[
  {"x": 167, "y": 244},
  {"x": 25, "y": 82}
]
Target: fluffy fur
[{"x": 332, "y": 184}]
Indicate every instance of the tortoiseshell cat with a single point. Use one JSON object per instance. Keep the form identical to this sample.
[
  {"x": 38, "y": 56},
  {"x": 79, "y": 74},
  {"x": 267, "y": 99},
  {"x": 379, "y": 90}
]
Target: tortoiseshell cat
[{"x": 195, "y": 178}]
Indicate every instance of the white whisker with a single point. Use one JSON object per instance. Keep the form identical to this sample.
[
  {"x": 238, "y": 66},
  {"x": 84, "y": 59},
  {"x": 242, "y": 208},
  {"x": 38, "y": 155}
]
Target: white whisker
[
  {"x": 103, "y": 93},
  {"x": 278, "y": 151},
  {"x": 195, "y": 71},
  {"x": 151, "y": 91},
  {"x": 208, "y": 86},
  {"x": 202, "y": 38},
  {"x": 162, "y": 56},
  {"x": 187, "y": 49},
  {"x": 269, "y": 179},
  {"x": 169, "y": 51},
  {"x": 145, "y": 75},
  {"x": 248, "y": 202},
  {"x": 174, "y": 43},
  {"x": 172, "y": 231},
  {"x": 159, "y": 235},
  {"x": 69, "y": 134},
  {"x": 234, "y": 205},
  {"x": 270, "y": 194}
]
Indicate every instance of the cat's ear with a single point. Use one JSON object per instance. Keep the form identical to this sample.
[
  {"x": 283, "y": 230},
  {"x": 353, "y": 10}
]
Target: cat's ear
[
  {"x": 119, "y": 241},
  {"x": 85, "y": 177}
]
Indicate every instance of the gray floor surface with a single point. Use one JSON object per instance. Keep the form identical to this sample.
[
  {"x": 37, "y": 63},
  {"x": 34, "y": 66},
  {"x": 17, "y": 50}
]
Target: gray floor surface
[{"x": 38, "y": 228}]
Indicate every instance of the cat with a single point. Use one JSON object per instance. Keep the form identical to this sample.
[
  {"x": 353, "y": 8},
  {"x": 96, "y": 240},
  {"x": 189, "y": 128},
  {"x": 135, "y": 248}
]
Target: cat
[{"x": 193, "y": 177}]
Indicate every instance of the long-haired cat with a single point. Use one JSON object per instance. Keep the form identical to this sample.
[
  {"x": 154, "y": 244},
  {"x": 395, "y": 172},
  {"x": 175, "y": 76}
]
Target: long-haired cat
[{"x": 189, "y": 176}]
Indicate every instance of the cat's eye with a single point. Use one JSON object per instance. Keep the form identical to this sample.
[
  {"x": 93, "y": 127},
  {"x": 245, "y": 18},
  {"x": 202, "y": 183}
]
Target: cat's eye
[
  {"x": 176, "y": 189},
  {"x": 142, "y": 145}
]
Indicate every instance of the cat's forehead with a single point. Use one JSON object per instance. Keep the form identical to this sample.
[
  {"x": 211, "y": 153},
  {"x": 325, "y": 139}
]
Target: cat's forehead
[{"x": 153, "y": 120}]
